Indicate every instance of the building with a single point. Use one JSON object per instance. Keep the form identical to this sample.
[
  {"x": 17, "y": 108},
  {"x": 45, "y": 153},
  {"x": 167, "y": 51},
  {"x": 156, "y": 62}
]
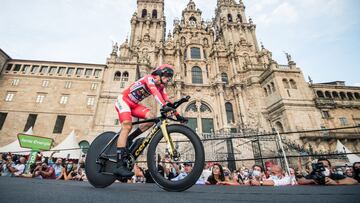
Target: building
[{"x": 234, "y": 83}]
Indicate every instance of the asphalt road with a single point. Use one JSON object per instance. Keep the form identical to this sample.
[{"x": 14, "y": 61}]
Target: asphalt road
[{"x": 36, "y": 191}]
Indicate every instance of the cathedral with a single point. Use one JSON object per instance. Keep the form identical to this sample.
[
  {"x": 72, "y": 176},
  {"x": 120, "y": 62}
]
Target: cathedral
[{"x": 233, "y": 81}]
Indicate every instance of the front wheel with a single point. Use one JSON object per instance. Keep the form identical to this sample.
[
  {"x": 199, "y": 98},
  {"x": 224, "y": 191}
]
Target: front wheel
[{"x": 176, "y": 173}]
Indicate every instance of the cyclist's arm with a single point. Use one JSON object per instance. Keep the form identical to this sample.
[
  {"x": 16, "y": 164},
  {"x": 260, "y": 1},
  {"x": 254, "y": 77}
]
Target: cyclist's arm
[{"x": 154, "y": 91}]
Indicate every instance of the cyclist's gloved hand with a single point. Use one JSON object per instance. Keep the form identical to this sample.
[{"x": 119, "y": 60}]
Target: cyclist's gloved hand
[{"x": 181, "y": 119}]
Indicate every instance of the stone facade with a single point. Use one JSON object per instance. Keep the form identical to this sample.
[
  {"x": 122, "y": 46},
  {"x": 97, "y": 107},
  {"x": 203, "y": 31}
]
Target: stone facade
[{"x": 234, "y": 84}]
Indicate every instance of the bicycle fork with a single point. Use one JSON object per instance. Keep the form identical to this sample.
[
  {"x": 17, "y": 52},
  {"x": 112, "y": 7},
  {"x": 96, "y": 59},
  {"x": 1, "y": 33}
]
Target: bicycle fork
[{"x": 168, "y": 138}]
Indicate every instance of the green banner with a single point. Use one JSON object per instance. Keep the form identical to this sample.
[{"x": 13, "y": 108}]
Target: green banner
[{"x": 34, "y": 142}]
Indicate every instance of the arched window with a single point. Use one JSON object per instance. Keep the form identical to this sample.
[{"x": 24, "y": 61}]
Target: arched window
[
  {"x": 196, "y": 75},
  {"x": 144, "y": 13},
  {"x": 293, "y": 84},
  {"x": 154, "y": 14},
  {"x": 335, "y": 95},
  {"x": 279, "y": 127},
  {"x": 342, "y": 95},
  {"x": 195, "y": 53},
  {"x": 327, "y": 94},
  {"x": 192, "y": 18},
  {"x": 191, "y": 107},
  {"x": 239, "y": 18},
  {"x": 117, "y": 76},
  {"x": 350, "y": 96},
  {"x": 320, "y": 94},
  {"x": 265, "y": 91},
  {"x": 125, "y": 76},
  {"x": 230, "y": 20},
  {"x": 273, "y": 87},
  {"x": 286, "y": 84},
  {"x": 204, "y": 108},
  {"x": 224, "y": 78},
  {"x": 357, "y": 95},
  {"x": 229, "y": 112}
]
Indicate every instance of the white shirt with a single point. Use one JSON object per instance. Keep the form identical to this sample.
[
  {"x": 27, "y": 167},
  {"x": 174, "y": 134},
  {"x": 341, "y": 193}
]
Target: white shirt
[
  {"x": 280, "y": 182},
  {"x": 20, "y": 169}
]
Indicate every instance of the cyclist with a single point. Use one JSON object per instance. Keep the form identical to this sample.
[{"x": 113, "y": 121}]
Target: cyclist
[{"x": 127, "y": 105}]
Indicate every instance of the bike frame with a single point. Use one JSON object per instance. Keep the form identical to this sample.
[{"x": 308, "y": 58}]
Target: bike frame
[{"x": 160, "y": 124}]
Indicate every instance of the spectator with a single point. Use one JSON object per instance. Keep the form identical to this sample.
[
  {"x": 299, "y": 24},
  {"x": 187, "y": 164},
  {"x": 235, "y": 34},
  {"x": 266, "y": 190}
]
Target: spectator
[
  {"x": 67, "y": 172},
  {"x": 217, "y": 175},
  {"x": 80, "y": 174},
  {"x": 57, "y": 166},
  {"x": 228, "y": 178},
  {"x": 330, "y": 178},
  {"x": 206, "y": 173},
  {"x": 46, "y": 172},
  {"x": 187, "y": 170},
  {"x": 356, "y": 171},
  {"x": 277, "y": 178},
  {"x": 36, "y": 170},
  {"x": 19, "y": 168},
  {"x": 349, "y": 172},
  {"x": 292, "y": 176},
  {"x": 139, "y": 176},
  {"x": 7, "y": 166}
]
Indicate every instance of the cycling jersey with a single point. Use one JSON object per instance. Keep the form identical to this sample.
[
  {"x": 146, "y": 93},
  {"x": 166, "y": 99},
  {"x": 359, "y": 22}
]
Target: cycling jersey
[{"x": 127, "y": 104}]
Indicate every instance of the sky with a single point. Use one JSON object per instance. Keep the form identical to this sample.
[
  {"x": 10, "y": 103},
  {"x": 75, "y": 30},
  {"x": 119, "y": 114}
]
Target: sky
[{"x": 322, "y": 36}]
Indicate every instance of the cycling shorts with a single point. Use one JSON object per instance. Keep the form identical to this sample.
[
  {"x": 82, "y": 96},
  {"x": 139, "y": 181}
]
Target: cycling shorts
[{"x": 126, "y": 109}]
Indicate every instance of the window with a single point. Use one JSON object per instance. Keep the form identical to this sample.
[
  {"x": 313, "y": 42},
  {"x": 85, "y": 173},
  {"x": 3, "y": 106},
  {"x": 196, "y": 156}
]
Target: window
[
  {"x": 320, "y": 94},
  {"x": 204, "y": 108},
  {"x": 144, "y": 13},
  {"x": 192, "y": 123},
  {"x": 52, "y": 70},
  {"x": 125, "y": 76},
  {"x": 117, "y": 76},
  {"x": 34, "y": 69},
  {"x": 286, "y": 84},
  {"x": 15, "y": 82},
  {"x": 273, "y": 87},
  {"x": 343, "y": 121},
  {"x": 26, "y": 68},
  {"x": 17, "y": 67},
  {"x": 350, "y": 95},
  {"x": 64, "y": 99},
  {"x": 196, "y": 75},
  {"x": 224, "y": 78},
  {"x": 61, "y": 70},
  {"x": 154, "y": 14},
  {"x": 342, "y": 95},
  {"x": 97, "y": 72},
  {"x": 326, "y": 114},
  {"x": 30, "y": 122},
  {"x": 68, "y": 84},
  {"x": 45, "y": 83},
  {"x": 2, "y": 119},
  {"x": 239, "y": 18},
  {"x": 265, "y": 91},
  {"x": 40, "y": 98},
  {"x": 116, "y": 122},
  {"x": 195, "y": 53},
  {"x": 90, "y": 101},
  {"x": 70, "y": 71},
  {"x": 88, "y": 72},
  {"x": 207, "y": 125},
  {"x": 229, "y": 112},
  {"x": 327, "y": 94},
  {"x": 93, "y": 86},
  {"x": 79, "y": 71},
  {"x": 59, "y": 124},
  {"x": 191, "y": 107},
  {"x": 9, "y": 96},
  {"x": 335, "y": 95},
  {"x": 230, "y": 18},
  {"x": 9, "y": 66},
  {"x": 357, "y": 95},
  {"x": 122, "y": 84},
  {"x": 293, "y": 84},
  {"x": 44, "y": 69}
]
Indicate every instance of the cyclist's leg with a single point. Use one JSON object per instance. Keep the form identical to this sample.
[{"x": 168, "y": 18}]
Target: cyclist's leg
[
  {"x": 124, "y": 113},
  {"x": 141, "y": 112}
]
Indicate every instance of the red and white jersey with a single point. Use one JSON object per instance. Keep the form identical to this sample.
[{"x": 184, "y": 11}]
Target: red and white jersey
[{"x": 143, "y": 88}]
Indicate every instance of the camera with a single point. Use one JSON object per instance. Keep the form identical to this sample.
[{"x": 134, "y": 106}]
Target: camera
[{"x": 317, "y": 173}]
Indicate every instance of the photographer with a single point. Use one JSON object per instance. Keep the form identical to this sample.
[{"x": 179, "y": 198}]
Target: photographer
[
  {"x": 7, "y": 165},
  {"x": 322, "y": 175},
  {"x": 68, "y": 172},
  {"x": 356, "y": 171},
  {"x": 45, "y": 171}
]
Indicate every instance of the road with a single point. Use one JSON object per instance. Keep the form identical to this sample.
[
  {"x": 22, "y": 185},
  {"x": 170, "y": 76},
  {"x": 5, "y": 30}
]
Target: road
[{"x": 36, "y": 191}]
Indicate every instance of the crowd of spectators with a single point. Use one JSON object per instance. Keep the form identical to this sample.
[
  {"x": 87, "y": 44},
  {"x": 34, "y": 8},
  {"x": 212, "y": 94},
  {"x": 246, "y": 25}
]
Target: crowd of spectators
[{"x": 322, "y": 172}]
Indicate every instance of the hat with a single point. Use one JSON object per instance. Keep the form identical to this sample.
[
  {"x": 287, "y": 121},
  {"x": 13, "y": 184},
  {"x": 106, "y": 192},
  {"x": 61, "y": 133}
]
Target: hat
[{"x": 187, "y": 163}]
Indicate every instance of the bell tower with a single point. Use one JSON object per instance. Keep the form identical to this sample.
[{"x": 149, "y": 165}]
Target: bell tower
[{"x": 148, "y": 23}]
